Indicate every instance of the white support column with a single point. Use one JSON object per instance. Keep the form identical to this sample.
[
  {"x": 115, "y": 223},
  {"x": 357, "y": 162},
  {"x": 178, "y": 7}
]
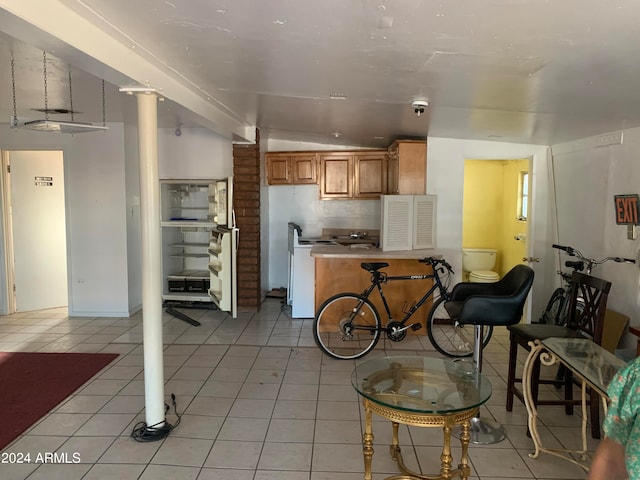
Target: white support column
[{"x": 151, "y": 257}]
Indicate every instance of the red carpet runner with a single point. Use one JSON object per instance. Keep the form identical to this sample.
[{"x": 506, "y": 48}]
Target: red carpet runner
[{"x": 31, "y": 384}]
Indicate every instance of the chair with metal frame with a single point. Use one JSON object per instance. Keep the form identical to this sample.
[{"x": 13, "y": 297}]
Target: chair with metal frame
[{"x": 584, "y": 322}]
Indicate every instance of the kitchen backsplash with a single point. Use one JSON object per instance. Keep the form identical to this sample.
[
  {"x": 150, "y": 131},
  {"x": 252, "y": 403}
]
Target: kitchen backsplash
[{"x": 301, "y": 204}]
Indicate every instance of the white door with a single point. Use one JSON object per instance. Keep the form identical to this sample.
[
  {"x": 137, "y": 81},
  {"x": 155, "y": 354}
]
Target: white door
[{"x": 39, "y": 229}]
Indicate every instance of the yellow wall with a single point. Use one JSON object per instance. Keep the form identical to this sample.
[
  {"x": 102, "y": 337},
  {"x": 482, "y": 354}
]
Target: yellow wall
[{"x": 490, "y": 209}]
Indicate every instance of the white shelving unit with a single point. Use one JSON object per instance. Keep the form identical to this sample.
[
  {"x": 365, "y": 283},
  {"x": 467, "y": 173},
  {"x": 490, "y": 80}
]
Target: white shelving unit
[{"x": 186, "y": 223}]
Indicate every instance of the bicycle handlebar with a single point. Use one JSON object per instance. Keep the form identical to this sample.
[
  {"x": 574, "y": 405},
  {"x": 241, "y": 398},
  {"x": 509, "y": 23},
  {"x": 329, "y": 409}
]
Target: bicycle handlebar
[
  {"x": 591, "y": 261},
  {"x": 621, "y": 260},
  {"x": 433, "y": 261},
  {"x": 569, "y": 250}
]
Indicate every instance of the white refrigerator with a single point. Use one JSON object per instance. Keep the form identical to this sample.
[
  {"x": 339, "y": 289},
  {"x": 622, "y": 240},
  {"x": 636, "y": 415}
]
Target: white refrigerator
[{"x": 223, "y": 248}]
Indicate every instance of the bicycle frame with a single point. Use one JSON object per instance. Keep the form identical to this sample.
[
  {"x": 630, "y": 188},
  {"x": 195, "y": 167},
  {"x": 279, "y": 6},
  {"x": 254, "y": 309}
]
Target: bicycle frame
[
  {"x": 378, "y": 278},
  {"x": 348, "y": 325}
]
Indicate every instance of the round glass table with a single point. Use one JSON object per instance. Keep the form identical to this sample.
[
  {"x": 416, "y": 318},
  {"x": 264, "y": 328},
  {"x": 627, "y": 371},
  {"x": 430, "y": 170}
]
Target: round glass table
[{"x": 424, "y": 392}]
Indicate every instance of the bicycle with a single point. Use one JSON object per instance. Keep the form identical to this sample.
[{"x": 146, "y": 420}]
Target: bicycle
[
  {"x": 557, "y": 308},
  {"x": 347, "y": 326}
]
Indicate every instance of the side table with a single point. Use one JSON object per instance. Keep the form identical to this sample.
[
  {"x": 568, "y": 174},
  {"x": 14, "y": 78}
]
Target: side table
[{"x": 594, "y": 366}]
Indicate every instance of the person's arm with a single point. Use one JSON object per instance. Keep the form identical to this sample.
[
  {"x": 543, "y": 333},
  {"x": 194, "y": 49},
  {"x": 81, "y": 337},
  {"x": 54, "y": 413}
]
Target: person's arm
[{"x": 608, "y": 462}]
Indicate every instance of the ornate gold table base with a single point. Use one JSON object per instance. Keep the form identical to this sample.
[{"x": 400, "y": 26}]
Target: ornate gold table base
[
  {"x": 447, "y": 422},
  {"x": 548, "y": 358}
]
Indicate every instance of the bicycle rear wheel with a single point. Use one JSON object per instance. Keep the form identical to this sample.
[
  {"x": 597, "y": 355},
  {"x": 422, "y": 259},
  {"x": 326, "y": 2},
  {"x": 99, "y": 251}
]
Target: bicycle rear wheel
[
  {"x": 448, "y": 338},
  {"x": 347, "y": 326}
]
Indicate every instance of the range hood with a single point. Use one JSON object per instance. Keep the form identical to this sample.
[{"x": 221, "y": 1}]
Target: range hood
[{"x": 62, "y": 127}]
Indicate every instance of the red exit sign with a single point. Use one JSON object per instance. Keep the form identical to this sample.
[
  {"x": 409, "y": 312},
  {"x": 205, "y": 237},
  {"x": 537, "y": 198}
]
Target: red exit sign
[{"x": 627, "y": 209}]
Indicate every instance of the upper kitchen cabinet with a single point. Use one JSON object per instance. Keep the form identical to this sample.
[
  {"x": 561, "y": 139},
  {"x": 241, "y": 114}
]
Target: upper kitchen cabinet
[
  {"x": 361, "y": 174},
  {"x": 287, "y": 168},
  {"x": 407, "y": 167},
  {"x": 336, "y": 175},
  {"x": 370, "y": 174}
]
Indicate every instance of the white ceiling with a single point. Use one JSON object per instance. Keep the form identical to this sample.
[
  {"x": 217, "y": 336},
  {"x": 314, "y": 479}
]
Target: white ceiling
[{"x": 526, "y": 71}]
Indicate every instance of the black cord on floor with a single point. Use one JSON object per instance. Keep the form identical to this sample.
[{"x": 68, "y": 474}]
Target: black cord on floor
[{"x": 144, "y": 433}]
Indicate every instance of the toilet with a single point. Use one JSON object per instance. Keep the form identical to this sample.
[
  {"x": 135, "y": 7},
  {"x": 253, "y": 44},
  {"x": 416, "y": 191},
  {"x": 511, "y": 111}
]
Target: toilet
[{"x": 478, "y": 264}]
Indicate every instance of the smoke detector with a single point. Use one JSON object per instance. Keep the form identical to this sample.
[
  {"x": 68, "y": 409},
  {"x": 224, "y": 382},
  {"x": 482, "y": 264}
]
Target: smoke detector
[{"x": 419, "y": 106}]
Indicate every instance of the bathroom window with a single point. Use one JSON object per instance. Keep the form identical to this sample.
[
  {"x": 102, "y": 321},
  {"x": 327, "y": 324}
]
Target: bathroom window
[{"x": 523, "y": 196}]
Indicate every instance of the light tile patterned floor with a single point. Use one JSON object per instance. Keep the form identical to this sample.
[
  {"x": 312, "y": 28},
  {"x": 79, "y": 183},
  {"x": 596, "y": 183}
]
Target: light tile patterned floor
[{"x": 259, "y": 402}]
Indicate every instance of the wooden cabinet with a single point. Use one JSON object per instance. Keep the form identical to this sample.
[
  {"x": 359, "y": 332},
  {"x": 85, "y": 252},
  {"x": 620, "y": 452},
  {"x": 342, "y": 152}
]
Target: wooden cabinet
[
  {"x": 278, "y": 169},
  {"x": 287, "y": 168},
  {"x": 336, "y": 175},
  {"x": 361, "y": 174},
  {"x": 370, "y": 174},
  {"x": 407, "y": 167},
  {"x": 366, "y": 174}
]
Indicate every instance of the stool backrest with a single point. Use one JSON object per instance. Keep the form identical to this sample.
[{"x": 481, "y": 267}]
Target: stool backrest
[{"x": 500, "y": 303}]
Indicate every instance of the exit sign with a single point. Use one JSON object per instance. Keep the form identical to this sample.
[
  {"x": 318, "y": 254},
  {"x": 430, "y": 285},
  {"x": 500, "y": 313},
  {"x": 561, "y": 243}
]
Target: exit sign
[{"x": 627, "y": 209}]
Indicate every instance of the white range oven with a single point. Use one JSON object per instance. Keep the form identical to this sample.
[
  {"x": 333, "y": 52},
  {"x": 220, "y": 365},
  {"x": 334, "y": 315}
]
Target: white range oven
[{"x": 302, "y": 270}]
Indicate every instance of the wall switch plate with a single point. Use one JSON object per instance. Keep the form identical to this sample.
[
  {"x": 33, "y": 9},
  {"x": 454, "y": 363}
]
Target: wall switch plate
[{"x": 632, "y": 232}]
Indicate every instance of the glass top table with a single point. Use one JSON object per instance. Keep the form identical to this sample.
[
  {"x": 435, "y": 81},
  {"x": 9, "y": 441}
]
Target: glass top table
[
  {"x": 421, "y": 384},
  {"x": 425, "y": 392},
  {"x": 594, "y": 366},
  {"x": 597, "y": 365}
]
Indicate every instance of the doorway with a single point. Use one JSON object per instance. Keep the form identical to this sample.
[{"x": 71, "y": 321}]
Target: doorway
[
  {"x": 35, "y": 226},
  {"x": 495, "y": 209}
]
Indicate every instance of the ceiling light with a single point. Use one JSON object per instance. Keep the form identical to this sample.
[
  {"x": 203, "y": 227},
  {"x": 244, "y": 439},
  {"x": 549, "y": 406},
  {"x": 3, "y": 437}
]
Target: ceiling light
[
  {"x": 62, "y": 127},
  {"x": 132, "y": 90},
  {"x": 336, "y": 134},
  {"x": 47, "y": 125},
  {"x": 337, "y": 96}
]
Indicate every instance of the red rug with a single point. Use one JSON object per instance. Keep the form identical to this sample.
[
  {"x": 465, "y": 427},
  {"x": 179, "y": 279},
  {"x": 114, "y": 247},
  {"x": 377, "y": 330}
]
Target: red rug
[{"x": 33, "y": 383}]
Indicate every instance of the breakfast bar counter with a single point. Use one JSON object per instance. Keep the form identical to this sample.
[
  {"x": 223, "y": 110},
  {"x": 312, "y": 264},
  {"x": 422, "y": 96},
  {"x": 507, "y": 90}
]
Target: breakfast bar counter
[{"x": 368, "y": 251}]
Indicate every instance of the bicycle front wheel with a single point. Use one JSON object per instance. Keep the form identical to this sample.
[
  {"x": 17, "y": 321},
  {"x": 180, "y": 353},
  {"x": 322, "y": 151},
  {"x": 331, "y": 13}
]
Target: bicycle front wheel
[
  {"x": 555, "y": 313},
  {"x": 347, "y": 326},
  {"x": 448, "y": 338}
]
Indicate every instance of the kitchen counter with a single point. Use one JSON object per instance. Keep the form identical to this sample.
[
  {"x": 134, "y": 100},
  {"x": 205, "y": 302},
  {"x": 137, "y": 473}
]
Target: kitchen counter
[{"x": 368, "y": 251}]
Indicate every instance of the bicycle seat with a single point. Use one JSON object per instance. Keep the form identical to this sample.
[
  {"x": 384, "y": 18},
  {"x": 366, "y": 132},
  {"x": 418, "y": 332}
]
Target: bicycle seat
[{"x": 374, "y": 267}]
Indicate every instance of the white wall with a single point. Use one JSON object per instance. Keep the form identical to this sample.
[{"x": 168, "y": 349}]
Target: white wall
[
  {"x": 586, "y": 179},
  {"x": 96, "y": 209},
  {"x": 197, "y": 153},
  {"x": 132, "y": 215},
  {"x": 265, "y": 260},
  {"x": 97, "y": 230}
]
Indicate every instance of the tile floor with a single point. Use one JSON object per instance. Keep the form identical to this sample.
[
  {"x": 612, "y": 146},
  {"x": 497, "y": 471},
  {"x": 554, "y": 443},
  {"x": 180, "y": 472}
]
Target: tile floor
[{"x": 258, "y": 400}]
